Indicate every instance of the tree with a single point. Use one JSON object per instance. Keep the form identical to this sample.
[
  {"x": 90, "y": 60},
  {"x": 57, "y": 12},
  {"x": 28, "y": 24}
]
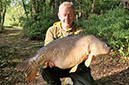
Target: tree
[
  {"x": 93, "y": 5},
  {"x": 24, "y": 6},
  {"x": 36, "y": 7},
  {"x": 3, "y": 5}
]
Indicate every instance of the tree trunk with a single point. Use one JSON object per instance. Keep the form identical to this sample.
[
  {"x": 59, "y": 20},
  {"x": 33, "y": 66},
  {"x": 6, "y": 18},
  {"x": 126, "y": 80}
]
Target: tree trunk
[
  {"x": 51, "y": 3},
  {"x": 33, "y": 6},
  {"x": 4, "y": 12},
  {"x": 1, "y": 15},
  {"x": 25, "y": 8},
  {"x": 36, "y": 7},
  {"x": 93, "y": 4}
]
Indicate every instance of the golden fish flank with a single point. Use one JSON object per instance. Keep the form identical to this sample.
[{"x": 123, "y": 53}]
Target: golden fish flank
[{"x": 70, "y": 50}]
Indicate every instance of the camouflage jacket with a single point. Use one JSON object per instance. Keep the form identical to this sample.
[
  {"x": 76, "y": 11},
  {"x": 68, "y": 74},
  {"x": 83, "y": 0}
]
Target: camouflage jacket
[{"x": 56, "y": 32}]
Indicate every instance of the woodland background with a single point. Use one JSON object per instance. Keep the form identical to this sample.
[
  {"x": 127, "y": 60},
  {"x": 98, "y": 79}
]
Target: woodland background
[{"x": 23, "y": 25}]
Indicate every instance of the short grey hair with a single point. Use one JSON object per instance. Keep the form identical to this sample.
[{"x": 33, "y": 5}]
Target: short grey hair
[{"x": 67, "y": 4}]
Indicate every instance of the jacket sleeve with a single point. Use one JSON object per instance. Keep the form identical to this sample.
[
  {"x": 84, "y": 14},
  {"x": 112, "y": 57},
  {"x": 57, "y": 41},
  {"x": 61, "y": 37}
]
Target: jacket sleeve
[{"x": 49, "y": 36}]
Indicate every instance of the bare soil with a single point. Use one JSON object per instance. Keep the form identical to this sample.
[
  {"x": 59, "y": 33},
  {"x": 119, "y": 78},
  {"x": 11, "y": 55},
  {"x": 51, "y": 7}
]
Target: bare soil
[{"x": 107, "y": 70}]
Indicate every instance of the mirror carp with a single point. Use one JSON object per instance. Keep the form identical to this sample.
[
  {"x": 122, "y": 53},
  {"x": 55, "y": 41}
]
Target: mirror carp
[{"x": 67, "y": 52}]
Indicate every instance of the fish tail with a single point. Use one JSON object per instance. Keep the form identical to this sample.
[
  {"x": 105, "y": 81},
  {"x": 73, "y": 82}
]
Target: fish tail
[{"x": 29, "y": 68}]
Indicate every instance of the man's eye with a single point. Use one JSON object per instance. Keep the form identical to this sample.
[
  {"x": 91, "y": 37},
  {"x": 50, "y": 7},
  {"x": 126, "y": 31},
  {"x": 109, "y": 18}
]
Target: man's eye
[
  {"x": 70, "y": 15},
  {"x": 105, "y": 45},
  {"x": 64, "y": 14}
]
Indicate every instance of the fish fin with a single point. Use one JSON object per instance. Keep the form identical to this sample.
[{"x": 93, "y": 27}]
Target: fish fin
[
  {"x": 74, "y": 68},
  {"x": 88, "y": 61},
  {"x": 29, "y": 68}
]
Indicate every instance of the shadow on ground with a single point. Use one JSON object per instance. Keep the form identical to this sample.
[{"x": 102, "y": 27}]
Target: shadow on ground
[{"x": 121, "y": 78}]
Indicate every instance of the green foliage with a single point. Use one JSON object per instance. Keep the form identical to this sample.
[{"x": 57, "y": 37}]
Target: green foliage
[
  {"x": 36, "y": 29},
  {"x": 14, "y": 12},
  {"x": 112, "y": 27},
  {"x": 88, "y": 7},
  {"x": 101, "y": 6},
  {"x": 84, "y": 7}
]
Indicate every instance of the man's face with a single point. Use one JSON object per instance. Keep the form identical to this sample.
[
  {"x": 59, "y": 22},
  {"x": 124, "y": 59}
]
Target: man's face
[{"x": 66, "y": 15}]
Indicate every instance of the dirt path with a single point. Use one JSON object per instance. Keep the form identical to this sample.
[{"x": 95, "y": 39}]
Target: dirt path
[{"x": 107, "y": 70}]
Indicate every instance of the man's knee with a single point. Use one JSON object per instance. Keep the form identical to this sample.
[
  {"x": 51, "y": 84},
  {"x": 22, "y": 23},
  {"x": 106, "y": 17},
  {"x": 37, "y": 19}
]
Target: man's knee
[
  {"x": 49, "y": 76},
  {"x": 82, "y": 76}
]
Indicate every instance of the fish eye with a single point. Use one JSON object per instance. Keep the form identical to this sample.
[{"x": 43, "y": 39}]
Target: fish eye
[{"x": 105, "y": 45}]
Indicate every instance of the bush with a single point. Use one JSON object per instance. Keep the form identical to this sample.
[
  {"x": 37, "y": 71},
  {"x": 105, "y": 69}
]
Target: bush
[
  {"x": 36, "y": 29},
  {"x": 112, "y": 27}
]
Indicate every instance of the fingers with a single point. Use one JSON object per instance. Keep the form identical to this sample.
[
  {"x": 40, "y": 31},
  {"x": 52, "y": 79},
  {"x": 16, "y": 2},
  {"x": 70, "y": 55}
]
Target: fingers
[
  {"x": 93, "y": 57},
  {"x": 50, "y": 64},
  {"x": 46, "y": 63},
  {"x": 85, "y": 58}
]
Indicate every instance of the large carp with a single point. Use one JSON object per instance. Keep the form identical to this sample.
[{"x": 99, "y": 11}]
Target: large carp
[{"x": 67, "y": 52}]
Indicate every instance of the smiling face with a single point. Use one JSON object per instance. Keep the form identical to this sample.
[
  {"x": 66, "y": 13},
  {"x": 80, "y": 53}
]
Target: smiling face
[{"x": 66, "y": 16}]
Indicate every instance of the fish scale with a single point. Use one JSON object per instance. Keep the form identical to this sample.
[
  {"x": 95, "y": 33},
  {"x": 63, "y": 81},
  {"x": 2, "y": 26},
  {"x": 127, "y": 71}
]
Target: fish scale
[{"x": 67, "y": 52}]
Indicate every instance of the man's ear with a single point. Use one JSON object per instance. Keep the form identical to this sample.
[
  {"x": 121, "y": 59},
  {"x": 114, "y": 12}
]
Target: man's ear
[{"x": 59, "y": 15}]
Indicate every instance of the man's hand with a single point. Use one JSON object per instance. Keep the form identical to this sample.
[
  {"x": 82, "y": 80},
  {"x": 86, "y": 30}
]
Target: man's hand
[
  {"x": 85, "y": 58},
  {"x": 50, "y": 64},
  {"x": 93, "y": 57}
]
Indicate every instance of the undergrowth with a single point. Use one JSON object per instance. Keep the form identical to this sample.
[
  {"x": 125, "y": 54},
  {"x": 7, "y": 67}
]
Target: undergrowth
[
  {"x": 112, "y": 27},
  {"x": 36, "y": 29}
]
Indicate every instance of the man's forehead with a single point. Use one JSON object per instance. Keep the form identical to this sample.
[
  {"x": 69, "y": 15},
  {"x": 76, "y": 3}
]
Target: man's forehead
[{"x": 66, "y": 10}]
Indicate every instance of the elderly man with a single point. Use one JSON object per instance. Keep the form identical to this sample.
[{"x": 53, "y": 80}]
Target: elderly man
[{"x": 65, "y": 27}]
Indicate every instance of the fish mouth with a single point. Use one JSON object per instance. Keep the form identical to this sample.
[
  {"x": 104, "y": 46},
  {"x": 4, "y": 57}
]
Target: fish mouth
[
  {"x": 111, "y": 52},
  {"x": 99, "y": 55}
]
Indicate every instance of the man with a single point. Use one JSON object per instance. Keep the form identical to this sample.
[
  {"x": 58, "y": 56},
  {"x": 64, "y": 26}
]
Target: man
[{"x": 65, "y": 27}]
